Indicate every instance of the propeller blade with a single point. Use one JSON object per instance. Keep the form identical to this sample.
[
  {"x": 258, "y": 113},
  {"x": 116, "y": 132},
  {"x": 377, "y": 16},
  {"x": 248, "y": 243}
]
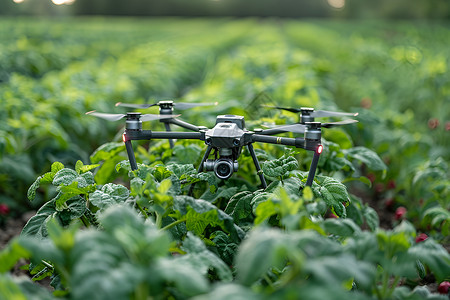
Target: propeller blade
[
  {"x": 135, "y": 105},
  {"x": 324, "y": 113},
  {"x": 183, "y": 106},
  {"x": 109, "y": 117},
  {"x": 333, "y": 124},
  {"x": 151, "y": 117},
  {"x": 294, "y": 128},
  {"x": 294, "y": 110}
]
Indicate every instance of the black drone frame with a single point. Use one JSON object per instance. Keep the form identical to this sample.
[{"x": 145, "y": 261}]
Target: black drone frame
[{"x": 227, "y": 138}]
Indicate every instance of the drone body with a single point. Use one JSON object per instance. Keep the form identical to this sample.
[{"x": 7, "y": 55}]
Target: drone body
[{"x": 227, "y": 137}]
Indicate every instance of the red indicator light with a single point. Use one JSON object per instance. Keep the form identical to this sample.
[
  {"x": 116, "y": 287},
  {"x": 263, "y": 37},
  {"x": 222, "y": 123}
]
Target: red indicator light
[
  {"x": 319, "y": 149},
  {"x": 124, "y": 139}
]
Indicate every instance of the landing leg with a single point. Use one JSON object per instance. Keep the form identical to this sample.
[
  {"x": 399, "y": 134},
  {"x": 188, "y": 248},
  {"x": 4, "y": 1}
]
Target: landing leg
[
  {"x": 258, "y": 168},
  {"x": 167, "y": 125},
  {"x": 131, "y": 156},
  {"x": 200, "y": 168},
  {"x": 312, "y": 168}
]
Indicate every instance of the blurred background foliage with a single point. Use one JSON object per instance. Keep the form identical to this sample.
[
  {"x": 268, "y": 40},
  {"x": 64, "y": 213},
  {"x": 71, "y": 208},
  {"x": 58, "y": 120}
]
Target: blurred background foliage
[
  {"x": 53, "y": 70},
  {"x": 417, "y": 9}
]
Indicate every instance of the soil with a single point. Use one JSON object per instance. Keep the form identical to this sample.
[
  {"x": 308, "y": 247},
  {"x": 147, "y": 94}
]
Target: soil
[
  {"x": 10, "y": 229},
  {"x": 13, "y": 227}
]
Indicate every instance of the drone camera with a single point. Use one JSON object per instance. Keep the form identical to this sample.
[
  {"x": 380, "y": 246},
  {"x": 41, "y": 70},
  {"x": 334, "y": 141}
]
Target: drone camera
[{"x": 223, "y": 167}]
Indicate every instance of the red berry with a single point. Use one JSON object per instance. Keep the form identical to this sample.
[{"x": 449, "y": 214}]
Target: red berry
[
  {"x": 444, "y": 287},
  {"x": 389, "y": 202},
  {"x": 433, "y": 123},
  {"x": 4, "y": 209},
  {"x": 391, "y": 184},
  {"x": 400, "y": 213},
  {"x": 371, "y": 177},
  {"x": 447, "y": 126},
  {"x": 366, "y": 103},
  {"x": 379, "y": 187},
  {"x": 421, "y": 237}
]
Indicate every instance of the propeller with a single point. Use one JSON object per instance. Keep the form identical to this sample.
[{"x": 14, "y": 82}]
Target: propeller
[
  {"x": 314, "y": 113},
  {"x": 301, "y": 128},
  {"x": 177, "y": 105},
  {"x": 117, "y": 117}
]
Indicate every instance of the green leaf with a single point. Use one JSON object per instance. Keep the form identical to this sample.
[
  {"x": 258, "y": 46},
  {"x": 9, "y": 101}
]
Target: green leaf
[
  {"x": 239, "y": 207},
  {"x": 201, "y": 259},
  {"x": 46, "y": 178},
  {"x": 106, "y": 152},
  {"x": 280, "y": 167},
  {"x": 11, "y": 254},
  {"x": 36, "y": 225},
  {"x": 434, "y": 255},
  {"x": 228, "y": 291},
  {"x": 181, "y": 169},
  {"x": 31, "y": 194},
  {"x": 436, "y": 216},
  {"x": 200, "y": 213},
  {"x": 371, "y": 217},
  {"x": 56, "y": 167},
  {"x": 263, "y": 249},
  {"x": 341, "y": 227},
  {"x": 188, "y": 280},
  {"x": 222, "y": 192},
  {"x": 70, "y": 191},
  {"x": 21, "y": 288},
  {"x": 265, "y": 210},
  {"x": 367, "y": 156},
  {"x": 187, "y": 154},
  {"x": 65, "y": 176},
  {"x": 330, "y": 269},
  {"x": 81, "y": 168},
  {"x": 333, "y": 193},
  {"x": 161, "y": 173},
  {"x": 108, "y": 195}
]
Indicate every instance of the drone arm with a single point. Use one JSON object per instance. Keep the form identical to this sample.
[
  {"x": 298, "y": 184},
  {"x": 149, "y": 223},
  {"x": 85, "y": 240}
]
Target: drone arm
[
  {"x": 271, "y": 131},
  {"x": 297, "y": 142},
  {"x": 148, "y": 135},
  {"x": 183, "y": 124}
]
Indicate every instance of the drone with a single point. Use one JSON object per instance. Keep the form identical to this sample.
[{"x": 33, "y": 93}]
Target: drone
[{"x": 227, "y": 138}]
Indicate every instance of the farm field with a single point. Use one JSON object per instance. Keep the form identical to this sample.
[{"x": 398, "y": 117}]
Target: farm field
[{"x": 374, "y": 224}]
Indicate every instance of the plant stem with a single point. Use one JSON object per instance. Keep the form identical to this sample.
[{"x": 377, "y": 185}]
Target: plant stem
[
  {"x": 158, "y": 220},
  {"x": 85, "y": 221},
  {"x": 394, "y": 285},
  {"x": 141, "y": 292},
  {"x": 142, "y": 210},
  {"x": 173, "y": 224},
  {"x": 385, "y": 284}
]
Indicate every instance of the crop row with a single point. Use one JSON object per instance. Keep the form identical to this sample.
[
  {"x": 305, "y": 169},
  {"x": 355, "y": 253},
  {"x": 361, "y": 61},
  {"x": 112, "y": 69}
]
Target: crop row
[
  {"x": 170, "y": 232},
  {"x": 44, "y": 117}
]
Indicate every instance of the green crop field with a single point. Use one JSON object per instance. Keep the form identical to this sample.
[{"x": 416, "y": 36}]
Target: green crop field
[{"x": 375, "y": 223}]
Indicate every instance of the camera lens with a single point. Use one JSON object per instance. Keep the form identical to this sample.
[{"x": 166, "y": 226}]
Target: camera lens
[{"x": 223, "y": 169}]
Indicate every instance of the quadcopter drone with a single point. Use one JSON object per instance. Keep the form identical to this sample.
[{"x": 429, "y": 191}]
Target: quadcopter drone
[{"x": 227, "y": 137}]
